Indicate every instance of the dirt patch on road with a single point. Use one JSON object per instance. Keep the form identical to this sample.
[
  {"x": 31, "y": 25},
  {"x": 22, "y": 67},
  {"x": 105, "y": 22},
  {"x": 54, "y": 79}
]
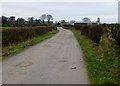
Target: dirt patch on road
[{"x": 24, "y": 64}]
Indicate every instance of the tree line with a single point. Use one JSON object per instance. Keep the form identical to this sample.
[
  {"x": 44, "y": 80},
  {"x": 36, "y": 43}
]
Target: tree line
[{"x": 5, "y": 21}]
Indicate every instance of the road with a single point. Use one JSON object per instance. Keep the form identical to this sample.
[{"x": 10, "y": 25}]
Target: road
[{"x": 58, "y": 60}]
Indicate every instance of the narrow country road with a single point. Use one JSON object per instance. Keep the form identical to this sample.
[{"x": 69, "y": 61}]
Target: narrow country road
[{"x": 57, "y": 60}]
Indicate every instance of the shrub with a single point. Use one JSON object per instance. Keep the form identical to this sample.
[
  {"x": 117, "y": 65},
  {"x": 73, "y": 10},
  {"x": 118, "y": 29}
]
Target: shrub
[
  {"x": 94, "y": 32},
  {"x": 67, "y": 26}
]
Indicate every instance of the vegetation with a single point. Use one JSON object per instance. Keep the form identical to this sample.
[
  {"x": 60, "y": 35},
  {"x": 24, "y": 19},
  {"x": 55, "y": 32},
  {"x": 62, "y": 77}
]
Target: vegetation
[
  {"x": 15, "y": 48},
  {"x": 67, "y": 26},
  {"x": 21, "y": 22},
  {"x": 49, "y": 17},
  {"x": 101, "y": 51},
  {"x": 7, "y": 27},
  {"x": 94, "y": 32},
  {"x": 16, "y": 35},
  {"x": 102, "y": 68}
]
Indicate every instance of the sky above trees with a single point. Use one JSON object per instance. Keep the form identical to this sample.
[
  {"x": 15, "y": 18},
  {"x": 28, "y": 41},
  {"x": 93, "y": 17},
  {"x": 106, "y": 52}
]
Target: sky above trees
[
  {"x": 59, "y": 0},
  {"x": 107, "y": 11}
]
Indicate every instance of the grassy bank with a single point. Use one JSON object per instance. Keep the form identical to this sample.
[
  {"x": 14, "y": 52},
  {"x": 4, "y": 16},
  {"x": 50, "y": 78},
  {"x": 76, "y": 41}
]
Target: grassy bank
[
  {"x": 102, "y": 68},
  {"x": 15, "y": 48}
]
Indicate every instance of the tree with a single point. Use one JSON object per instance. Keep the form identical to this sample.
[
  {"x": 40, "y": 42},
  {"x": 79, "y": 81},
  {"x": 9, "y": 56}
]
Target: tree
[
  {"x": 49, "y": 17},
  {"x": 4, "y": 20},
  {"x": 63, "y": 22},
  {"x": 37, "y": 21},
  {"x": 42, "y": 18},
  {"x": 20, "y": 21},
  {"x": 31, "y": 20}
]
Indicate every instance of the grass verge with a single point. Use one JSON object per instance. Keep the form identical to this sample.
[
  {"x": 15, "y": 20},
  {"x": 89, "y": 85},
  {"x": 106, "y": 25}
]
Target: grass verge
[
  {"x": 16, "y": 48},
  {"x": 100, "y": 70},
  {"x": 7, "y": 27}
]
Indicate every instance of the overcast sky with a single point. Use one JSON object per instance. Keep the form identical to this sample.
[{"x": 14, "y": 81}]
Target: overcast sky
[{"x": 63, "y": 9}]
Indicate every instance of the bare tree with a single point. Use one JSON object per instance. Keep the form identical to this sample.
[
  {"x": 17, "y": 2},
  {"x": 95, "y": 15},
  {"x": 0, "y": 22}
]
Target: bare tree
[
  {"x": 49, "y": 17},
  {"x": 42, "y": 18}
]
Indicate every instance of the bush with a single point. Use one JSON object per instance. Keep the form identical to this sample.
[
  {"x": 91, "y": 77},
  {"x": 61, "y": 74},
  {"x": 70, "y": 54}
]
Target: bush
[
  {"x": 67, "y": 26},
  {"x": 19, "y": 34},
  {"x": 94, "y": 32},
  {"x": 115, "y": 31}
]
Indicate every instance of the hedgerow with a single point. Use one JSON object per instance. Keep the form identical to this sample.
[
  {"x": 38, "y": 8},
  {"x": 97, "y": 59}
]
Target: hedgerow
[{"x": 19, "y": 34}]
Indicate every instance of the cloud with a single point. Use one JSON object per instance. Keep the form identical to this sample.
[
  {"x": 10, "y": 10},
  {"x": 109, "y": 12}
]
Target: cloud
[
  {"x": 59, "y": 0},
  {"x": 63, "y": 10}
]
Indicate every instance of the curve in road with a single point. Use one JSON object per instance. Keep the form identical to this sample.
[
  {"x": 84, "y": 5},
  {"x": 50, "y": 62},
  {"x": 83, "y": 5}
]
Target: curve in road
[{"x": 58, "y": 60}]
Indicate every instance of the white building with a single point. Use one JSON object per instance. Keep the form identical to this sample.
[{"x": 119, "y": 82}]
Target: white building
[
  {"x": 87, "y": 21},
  {"x": 72, "y": 22}
]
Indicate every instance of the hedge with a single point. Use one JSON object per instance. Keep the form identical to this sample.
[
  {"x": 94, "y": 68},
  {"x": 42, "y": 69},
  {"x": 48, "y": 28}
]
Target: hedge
[{"x": 19, "y": 34}]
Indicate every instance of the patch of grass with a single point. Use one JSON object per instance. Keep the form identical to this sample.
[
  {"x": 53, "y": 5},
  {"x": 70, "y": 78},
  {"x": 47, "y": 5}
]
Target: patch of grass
[
  {"x": 15, "y": 48},
  {"x": 102, "y": 69},
  {"x": 7, "y": 27}
]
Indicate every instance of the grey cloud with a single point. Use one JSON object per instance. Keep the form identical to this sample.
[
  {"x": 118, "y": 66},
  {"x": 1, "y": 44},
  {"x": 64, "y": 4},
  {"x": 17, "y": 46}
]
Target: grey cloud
[{"x": 61, "y": 10}]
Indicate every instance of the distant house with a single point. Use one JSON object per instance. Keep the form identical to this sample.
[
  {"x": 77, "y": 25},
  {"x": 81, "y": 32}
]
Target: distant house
[
  {"x": 87, "y": 21},
  {"x": 12, "y": 19},
  {"x": 72, "y": 22}
]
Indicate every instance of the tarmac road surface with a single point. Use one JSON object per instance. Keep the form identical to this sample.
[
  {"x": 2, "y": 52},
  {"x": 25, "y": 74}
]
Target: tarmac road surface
[{"x": 58, "y": 60}]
